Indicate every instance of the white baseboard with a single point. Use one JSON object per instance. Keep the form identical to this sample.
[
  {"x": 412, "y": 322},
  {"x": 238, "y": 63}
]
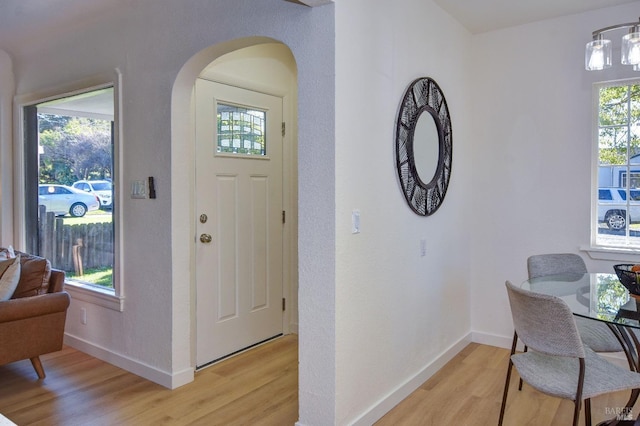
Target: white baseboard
[
  {"x": 383, "y": 406},
  {"x": 168, "y": 380},
  {"x": 505, "y": 342},
  {"x": 492, "y": 339}
]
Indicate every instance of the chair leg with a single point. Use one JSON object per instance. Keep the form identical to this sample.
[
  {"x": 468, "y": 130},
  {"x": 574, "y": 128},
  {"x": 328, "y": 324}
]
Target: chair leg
[
  {"x": 506, "y": 384},
  {"x": 520, "y": 382},
  {"x": 628, "y": 408},
  {"x": 37, "y": 365},
  {"x": 587, "y": 412},
  {"x": 504, "y": 394},
  {"x": 576, "y": 413},
  {"x": 578, "y": 398}
]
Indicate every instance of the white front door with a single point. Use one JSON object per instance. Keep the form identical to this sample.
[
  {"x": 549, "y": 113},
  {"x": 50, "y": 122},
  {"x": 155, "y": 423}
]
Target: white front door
[{"x": 239, "y": 219}]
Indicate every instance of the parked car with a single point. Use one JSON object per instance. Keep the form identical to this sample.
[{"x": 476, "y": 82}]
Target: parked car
[
  {"x": 102, "y": 188},
  {"x": 62, "y": 199},
  {"x": 612, "y": 207}
]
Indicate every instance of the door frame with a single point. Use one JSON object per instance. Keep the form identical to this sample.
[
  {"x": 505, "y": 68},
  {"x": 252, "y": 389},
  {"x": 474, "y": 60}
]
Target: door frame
[
  {"x": 289, "y": 176},
  {"x": 183, "y": 215},
  {"x": 250, "y": 325}
]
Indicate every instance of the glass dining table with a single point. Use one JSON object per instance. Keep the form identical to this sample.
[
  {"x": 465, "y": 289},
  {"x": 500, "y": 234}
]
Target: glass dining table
[{"x": 601, "y": 297}]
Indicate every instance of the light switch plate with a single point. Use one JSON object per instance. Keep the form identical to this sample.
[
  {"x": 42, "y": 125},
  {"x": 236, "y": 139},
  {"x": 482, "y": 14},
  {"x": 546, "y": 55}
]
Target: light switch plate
[
  {"x": 355, "y": 222},
  {"x": 138, "y": 189}
]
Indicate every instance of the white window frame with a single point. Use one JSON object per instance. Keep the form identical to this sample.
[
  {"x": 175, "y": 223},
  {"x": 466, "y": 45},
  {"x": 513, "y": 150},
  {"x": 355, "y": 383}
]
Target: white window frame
[
  {"x": 112, "y": 299},
  {"x": 595, "y": 250}
]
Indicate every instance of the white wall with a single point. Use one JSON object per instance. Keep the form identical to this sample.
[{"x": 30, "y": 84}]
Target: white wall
[
  {"x": 399, "y": 315},
  {"x": 7, "y": 89},
  {"x": 532, "y": 112},
  {"x": 150, "y": 41}
]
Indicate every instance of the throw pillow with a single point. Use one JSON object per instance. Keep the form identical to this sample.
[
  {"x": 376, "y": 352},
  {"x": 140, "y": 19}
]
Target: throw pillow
[
  {"x": 4, "y": 264},
  {"x": 35, "y": 272},
  {"x": 9, "y": 278}
]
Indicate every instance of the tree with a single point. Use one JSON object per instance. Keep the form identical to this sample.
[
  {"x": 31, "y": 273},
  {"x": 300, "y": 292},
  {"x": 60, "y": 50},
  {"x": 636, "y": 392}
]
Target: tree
[
  {"x": 74, "y": 148},
  {"x": 619, "y": 118},
  {"x": 52, "y": 122}
]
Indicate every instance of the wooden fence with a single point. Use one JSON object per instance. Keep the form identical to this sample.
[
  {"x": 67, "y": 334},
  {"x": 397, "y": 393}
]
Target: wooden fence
[{"x": 75, "y": 247}]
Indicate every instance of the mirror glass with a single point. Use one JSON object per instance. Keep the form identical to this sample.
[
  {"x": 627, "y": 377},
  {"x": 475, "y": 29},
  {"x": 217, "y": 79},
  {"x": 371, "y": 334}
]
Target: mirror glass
[{"x": 426, "y": 147}]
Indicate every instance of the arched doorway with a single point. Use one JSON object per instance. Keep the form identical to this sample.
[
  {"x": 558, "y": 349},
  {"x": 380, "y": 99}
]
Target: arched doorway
[
  {"x": 261, "y": 65},
  {"x": 243, "y": 170}
]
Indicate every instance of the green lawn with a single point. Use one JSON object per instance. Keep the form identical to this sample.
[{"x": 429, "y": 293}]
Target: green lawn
[{"x": 99, "y": 276}]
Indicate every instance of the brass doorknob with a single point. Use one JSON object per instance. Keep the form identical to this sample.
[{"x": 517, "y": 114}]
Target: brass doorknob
[{"x": 205, "y": 238}]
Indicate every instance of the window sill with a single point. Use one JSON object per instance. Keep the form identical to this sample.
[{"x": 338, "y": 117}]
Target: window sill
[
  {"x": 95, "y": 296},
  {"x": 613, "y": 253}
]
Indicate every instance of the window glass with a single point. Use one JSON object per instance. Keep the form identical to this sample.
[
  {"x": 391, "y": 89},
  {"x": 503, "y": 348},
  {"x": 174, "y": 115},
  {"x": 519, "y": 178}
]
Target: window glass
[
  {"x": 623, "y": 194},
  {"x": 241, "y": 130},
  {"x": 618, "y": 213},
  {"x": 99, "y": 186},
  {"x": 604, "y": 194},
  {"x": 74, "y": 226}
]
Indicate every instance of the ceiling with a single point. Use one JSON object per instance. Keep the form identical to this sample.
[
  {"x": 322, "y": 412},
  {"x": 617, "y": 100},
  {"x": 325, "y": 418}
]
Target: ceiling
[
  {"x": 480, "y": 16},
  {"x": 96, "y": 104},
  {"x": 24, "y": 22}
]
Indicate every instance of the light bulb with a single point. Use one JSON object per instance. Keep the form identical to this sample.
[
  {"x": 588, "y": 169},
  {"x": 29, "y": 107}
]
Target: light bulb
[
  {"x": 634, "y": 55},
  {"x": 596, "y": 61},
  {"x": 631, "y": 48},
  {"x": 598, "y": 55}
]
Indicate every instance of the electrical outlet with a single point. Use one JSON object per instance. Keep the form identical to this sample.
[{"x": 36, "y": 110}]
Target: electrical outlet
[
  {"x": 83, "y": 316},
  {"x": 423, "y": 248}
]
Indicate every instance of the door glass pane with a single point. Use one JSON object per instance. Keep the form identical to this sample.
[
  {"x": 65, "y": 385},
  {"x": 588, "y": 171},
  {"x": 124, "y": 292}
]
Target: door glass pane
[{"x": 241, "y": 130}]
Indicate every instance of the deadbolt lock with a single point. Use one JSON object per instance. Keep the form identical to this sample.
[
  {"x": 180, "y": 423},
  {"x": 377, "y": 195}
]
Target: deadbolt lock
[{"x": 203, "y": 218}]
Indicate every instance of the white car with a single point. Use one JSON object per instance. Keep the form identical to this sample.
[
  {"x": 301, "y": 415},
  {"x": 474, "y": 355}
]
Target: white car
[
  {"x": 102, "y": 188},
  {"x": 612, "y": 207},
  {"x": 62, "y": 199}
]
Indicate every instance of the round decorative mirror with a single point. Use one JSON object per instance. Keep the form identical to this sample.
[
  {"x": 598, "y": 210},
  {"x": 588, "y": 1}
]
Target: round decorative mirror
[{"x": 424, "y": 146}]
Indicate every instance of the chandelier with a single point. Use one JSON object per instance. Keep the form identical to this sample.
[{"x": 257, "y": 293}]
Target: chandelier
[{"x": 598, "y": 52}]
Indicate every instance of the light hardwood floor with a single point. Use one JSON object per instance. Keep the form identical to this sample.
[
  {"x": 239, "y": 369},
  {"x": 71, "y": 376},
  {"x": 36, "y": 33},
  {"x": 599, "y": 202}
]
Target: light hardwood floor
[
  {"x": 259, "y": 387},
  {"x": 468, "y": 391}
]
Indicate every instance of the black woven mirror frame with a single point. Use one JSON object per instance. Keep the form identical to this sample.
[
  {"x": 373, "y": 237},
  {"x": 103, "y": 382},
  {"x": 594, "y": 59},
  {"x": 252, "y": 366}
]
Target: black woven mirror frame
[{"x": 423, "y": 96}]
